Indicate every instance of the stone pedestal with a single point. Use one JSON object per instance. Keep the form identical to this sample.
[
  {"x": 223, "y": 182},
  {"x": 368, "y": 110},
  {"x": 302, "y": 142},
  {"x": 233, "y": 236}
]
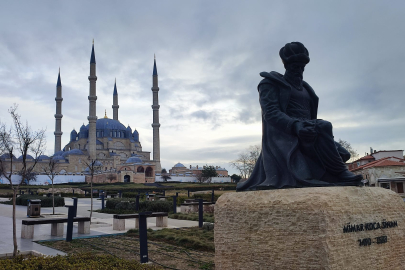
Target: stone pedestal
[
  {"x": 27, "y": 231},
  {"x": 83, "y": 227},
  {"x": 57, "y": 229},
  {"x": 310, "y": 228},
  {"x": 161, "y": 221},
  {"x": 118, "y": 224}
]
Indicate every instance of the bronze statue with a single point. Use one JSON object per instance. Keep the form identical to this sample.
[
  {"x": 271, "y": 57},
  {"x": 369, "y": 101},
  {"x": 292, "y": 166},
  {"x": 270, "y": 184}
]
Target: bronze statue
[{"x": 298, "y": 149}]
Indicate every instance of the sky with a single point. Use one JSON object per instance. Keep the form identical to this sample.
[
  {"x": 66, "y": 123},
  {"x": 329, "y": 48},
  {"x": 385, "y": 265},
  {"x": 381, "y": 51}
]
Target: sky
[{"x": 209, "y": 55}]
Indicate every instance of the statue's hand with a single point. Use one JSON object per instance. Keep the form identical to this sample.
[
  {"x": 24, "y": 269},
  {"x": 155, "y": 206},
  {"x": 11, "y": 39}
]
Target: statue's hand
[{"x": 305, "y": 131}]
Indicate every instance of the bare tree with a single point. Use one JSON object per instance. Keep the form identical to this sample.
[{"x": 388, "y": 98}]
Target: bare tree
[
  {"x": 353, "y": 153},
  {"x": 247, "y": 160},
  {"x": 165, "y": 176},
  {"x": 93, "y": 166},
  {"x": 19, "y": 138},
  {"x": 50, "y": 170},
  {"x": 111, "y": 177},
  {"x": 200, "y": 177}
]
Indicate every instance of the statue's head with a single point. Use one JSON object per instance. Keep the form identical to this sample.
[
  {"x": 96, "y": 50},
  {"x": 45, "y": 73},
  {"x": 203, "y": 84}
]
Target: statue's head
[{"x": 294, "y": 53}]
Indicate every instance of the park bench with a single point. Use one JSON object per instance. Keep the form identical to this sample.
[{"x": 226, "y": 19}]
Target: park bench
[
  {"x": 119, "y": 220},
  {"x": 191, "y": 206},
  {"x": 27, "y": 228}
]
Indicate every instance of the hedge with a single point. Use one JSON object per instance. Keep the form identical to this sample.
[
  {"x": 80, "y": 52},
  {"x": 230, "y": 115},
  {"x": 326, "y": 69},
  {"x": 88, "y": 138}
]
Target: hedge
[
  {"x": 76, "y": 261},
  {"x": 144, "y": 206},
  {"x": 45, "y": 201}
]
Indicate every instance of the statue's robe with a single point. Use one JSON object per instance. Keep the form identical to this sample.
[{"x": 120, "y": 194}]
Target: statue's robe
[{"x": 286, "y": 162}]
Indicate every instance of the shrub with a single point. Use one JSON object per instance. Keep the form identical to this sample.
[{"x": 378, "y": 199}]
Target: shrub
[
  {"x": 144, "y": 206},
  {"x": 45, "y": 201},
  {"x": 180, "y": 199},
  {"x": 132, "y": 195},
  {"x": 206, "y": 197}
]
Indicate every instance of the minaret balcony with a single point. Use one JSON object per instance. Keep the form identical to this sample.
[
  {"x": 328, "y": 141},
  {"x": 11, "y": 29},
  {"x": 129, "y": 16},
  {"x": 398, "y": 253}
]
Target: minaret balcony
[
  {"x": 58, "y": 116},
  {"x": 92, "y": 78},
  {"x": 92, "y": 98},
  {"x": 57, "y": 99},
  {"x": 155, "y": 125},
  {"x": 92, "y": 118}
]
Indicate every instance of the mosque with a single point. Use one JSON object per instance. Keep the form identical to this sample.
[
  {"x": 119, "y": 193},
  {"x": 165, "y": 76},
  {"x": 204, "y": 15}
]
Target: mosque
[{"x": 116, "y": 148}]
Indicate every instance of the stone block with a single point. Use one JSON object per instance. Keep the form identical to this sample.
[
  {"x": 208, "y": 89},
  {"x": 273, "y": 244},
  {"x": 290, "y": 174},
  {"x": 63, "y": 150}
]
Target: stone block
[
  {"x": 137, "y": 223},
  {"x": 310, "y": 228},
  {"x": 27, "y": 231},
  {"x": 161, "y": 221},
  {"x": 118, "y": 224},
  {"x": 84, "y": 227},
  {"x": 57, "y": 229}
]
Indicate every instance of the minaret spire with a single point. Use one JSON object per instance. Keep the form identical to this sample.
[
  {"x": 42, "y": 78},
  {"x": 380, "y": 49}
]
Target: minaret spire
[
  {"x": 58, "y": 116},
  {"x": 156, "y": 124},
  {"x": 115, "y": 105},
  {"x": 92, "y": 106}
]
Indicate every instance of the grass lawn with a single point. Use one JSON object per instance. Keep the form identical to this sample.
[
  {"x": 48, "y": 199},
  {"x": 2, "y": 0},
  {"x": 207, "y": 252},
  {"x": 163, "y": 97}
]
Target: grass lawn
[{"x": 188, "y": 248}]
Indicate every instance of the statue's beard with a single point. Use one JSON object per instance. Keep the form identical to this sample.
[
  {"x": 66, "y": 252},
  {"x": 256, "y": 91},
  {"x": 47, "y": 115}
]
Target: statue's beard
[{"x": 294, "y": 74}]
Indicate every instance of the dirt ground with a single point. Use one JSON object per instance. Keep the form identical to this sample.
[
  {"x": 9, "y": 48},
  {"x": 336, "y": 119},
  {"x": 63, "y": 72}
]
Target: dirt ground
[{"x": 162, "y": 254}]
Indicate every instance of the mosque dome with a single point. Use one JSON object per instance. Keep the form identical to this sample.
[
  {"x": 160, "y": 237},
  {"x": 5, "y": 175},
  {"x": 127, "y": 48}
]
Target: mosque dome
[
  {"x": 73, "y": 135},
  {"x": 104, "y": 123},
  {"x": 179, "y": 165},
  {"x": 133, "y": 160},
  {"x": 28, "y": 157}
]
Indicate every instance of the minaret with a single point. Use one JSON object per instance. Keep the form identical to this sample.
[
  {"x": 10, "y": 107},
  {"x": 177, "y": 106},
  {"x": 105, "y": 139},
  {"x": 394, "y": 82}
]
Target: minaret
[
  {"x": 115, "y": 105},
  {"x": 92, "y": 106},
  {"x": 155, "y": 124},
  {"x": 58, "y": 116}
]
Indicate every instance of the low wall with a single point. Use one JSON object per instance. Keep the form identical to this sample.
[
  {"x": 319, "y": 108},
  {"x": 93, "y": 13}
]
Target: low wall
[
  {"x": 44, "y": 179},
  {"x": 192, "y": 179}
]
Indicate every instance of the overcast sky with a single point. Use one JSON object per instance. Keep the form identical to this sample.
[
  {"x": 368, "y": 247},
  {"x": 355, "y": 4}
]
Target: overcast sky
[{"x": 209, "y": 56}]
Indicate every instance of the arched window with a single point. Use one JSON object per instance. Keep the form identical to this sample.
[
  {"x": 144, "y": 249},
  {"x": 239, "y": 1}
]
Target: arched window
[
  {"x": 140, "y": 169},
  {"x": 148, "y": 172}
]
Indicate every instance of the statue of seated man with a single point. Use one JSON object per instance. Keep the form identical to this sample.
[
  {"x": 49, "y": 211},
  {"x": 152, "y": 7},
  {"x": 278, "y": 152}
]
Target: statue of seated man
[{"x": 298, "y": 150}]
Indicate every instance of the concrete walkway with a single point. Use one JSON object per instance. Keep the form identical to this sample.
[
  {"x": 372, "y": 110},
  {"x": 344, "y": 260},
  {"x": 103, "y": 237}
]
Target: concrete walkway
[{"x": 101, "y": 225}]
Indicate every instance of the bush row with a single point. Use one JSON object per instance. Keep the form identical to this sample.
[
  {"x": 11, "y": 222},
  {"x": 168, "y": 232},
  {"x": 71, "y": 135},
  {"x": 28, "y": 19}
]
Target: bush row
[
  {"x": 144, "y": 206},
  {"x": 45, "y": 201}
]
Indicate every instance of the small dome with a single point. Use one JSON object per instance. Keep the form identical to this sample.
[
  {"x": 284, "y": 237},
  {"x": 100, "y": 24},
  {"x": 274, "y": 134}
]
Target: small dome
[
  {"x": 83, "y": 128},
  {"x": 179, "y": 165},
  {"x": 59, "y": 153},
  {"x": 43, "y": 157},
  {"x": 135, "y": 135},
  {"x": 6, "y": 155},
  {"x": 76, "y": 152},
  {"x": 129, "y": 129},
  {"x": 58, "y": 158},
  {"x": 133, "y": 160},
  {"x": 98, "y": 163},
  {"x": 73, "y": 135},
  {"x": 28, "y": 157},
  {"x": 72, "y": 152}
]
